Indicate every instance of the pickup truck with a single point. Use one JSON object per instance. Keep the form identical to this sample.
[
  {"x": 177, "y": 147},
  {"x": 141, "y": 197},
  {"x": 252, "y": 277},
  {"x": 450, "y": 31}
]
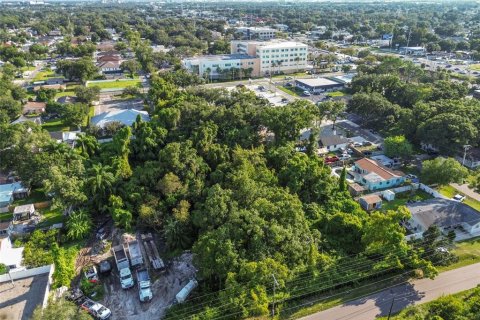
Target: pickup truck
[
  {"x": 97, "y": 310},
  {"x": 135, "y": 252},
  {"x": 143, "y": 280},
  {"x": 123, "y": 266}
]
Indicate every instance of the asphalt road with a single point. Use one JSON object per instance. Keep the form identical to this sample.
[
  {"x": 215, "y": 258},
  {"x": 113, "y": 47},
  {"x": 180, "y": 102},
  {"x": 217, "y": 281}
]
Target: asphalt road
[{"x": 414, "y": 292}]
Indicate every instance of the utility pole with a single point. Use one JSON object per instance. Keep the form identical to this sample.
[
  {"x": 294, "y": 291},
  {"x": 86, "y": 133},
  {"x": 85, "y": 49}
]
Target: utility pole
[
  {"x": 391, "y": 307},
  {"x": 275, "y": 284}
]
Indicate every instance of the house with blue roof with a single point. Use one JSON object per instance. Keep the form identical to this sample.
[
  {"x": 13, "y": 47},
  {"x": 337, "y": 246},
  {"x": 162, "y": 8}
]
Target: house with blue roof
[
  {"x": 10, "y": 192},
  {"x": 126, "y": 117}
]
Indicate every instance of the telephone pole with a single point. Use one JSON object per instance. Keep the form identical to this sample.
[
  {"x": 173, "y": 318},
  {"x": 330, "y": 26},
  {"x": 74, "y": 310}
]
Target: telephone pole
[
  {"x": 275, "y": 284},
  {"x": 391, "y": 307}
]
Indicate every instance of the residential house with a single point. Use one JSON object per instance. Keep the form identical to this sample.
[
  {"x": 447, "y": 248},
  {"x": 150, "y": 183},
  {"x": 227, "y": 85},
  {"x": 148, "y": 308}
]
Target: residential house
[
  {"x": 23, "y": 212},
  {"x": 370, "y": 202},
  {"x": 334, "y": 142},
  {"x": 355, "y": 189},
  {"x": 33, "y": 107},
  {"x": 9, "y": 256},
  {"x": 10, "y": 192},
  {"x": 58, "y": 87},
  {"x": 374, "y": 176},
  {"x": 21, "y": 119},
  {"x": 446, "y": 215},
  {"x": 6, "y": 228},
  {"x": 31, "y": 289},
  {"x": 126, "y": 117},
  {"x": 55, "y": 81},
  {"x": 109, "y": 67},
  {"x": 106, "y": 46},
  {"x": 472, "y": 158}
]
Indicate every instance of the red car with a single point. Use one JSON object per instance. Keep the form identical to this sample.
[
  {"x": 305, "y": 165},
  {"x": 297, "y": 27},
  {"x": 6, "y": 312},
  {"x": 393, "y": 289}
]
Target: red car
[{"x": 331, "y": 159}]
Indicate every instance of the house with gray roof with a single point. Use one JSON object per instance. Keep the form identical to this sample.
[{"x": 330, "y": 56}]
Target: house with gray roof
[{"x": 445, "y": 214}]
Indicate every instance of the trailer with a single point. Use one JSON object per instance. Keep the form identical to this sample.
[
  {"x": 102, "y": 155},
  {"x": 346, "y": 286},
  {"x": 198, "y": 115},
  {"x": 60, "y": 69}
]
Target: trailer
[
  {"x": 185, "y": 292},
  {"x": 152, "y": 252},
  {"x": 143, "y": 280},
  {"x": 123, "y": 266},
  {"x": 135, "y": 252}
]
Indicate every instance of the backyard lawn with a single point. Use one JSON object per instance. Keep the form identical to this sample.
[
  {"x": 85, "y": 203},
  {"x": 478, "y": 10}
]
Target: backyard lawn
[
  {"x": 449, "y": 191},
  {"x": 50, "y": 217},
  {"x": 65, "y": 93},
  {"x": 402, "y": 198},
  {"x": 475, "y": 67},
  {"x": 55, "y": 125},
  {"x": 46, "y": 74},
  {"x": 117, "y": 84},
  {"x": 6, "y": 216}
]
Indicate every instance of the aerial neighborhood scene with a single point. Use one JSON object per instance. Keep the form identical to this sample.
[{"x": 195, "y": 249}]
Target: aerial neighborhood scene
[{"x": 230, "y": 160}]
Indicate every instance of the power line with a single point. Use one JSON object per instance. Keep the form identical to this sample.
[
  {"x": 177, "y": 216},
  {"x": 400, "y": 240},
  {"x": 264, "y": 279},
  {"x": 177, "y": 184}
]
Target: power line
[{"x": 220, "y": 305}]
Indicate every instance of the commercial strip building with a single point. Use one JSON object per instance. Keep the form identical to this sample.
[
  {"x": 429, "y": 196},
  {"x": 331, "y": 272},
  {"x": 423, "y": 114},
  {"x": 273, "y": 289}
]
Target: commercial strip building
[
  {"x": 317, "y": 85},
  {"x": 257, "y": 58}
]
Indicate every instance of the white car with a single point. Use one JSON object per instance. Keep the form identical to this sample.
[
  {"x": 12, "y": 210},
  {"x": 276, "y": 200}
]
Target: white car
[
  {"x": 458, "y": 197},
  {"x": 307, "y": 93},
  {"x": 345, "y": 156}
]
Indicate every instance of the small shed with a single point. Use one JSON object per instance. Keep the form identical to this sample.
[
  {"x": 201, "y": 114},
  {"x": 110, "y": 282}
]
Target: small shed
[
  {"x": 370, "y": 202},
  {"x": 24, "y": 212},
  {"x": 388, "y": 195},
  {"x": 355, "y": 189}
]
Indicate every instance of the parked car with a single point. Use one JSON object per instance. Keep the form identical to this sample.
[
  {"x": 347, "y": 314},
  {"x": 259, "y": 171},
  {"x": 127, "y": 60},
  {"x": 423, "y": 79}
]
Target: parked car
[
  {"x": 288, "y": 84},
  {"x": 345, "y": 157},
  {"x": 284, "y": 100},
  {"x": 261, "y": 88},
  {"x": 288, "y": 78},
  {"x": 357, "y": 144},
  {"x": 331, "y": 159},
  {"x": 307, "y": 93},
  {"x": 411, "y": 176},
  {"x": 458, "y": 197},
  {"x": 91, "y": 274}
]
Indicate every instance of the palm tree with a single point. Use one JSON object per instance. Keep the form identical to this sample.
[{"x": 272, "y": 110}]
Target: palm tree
[
  {"x": 88, "y": 145},
  {"x": 79, "y": 225},
  {"x": 100, "y": 181},
  {"x": 297, "y": 59}
]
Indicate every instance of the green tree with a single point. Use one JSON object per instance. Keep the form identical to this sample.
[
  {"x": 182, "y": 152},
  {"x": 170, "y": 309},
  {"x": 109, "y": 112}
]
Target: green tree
[
  {"x": 443, "y": 171},
  {"x": 79, "y": 225},
  {"x": 60, "y": 310},
  {"x": 342, "y": 183},
  {"x": 87, "y": 94},
  {"x": 397, "y": 146}
]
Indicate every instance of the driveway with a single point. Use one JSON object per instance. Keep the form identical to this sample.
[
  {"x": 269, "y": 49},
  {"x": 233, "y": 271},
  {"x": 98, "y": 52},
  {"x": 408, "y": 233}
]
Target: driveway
[{"x": 410, "y": 293}]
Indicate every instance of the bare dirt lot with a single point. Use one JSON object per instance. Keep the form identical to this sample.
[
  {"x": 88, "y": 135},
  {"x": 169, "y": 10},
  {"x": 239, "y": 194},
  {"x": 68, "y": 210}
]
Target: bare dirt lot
[{"x": 125, "y": 304}]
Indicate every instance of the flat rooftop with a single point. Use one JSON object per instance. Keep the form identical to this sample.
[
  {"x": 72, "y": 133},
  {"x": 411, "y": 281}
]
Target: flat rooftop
[
  {"x": 317, "y": 82},
  {"x": 19, "y": 301},
  {"x": 235, "y": 56},
  {"x": 272, "y": 44}
]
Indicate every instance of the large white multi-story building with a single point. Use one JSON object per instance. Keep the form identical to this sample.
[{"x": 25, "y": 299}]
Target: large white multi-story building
[
  {"x": 276, "y": 56},
  {"x": 255, "y": 58}
]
